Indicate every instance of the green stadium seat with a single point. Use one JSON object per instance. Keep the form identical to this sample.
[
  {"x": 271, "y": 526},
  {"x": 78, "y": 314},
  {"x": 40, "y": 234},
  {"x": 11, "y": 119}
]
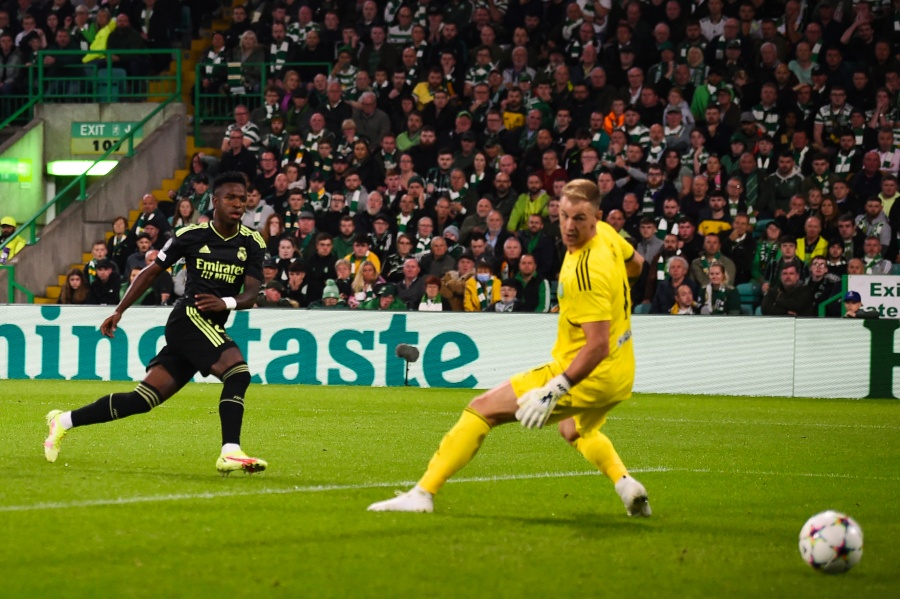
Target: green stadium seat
[
  {"x": 760, "y": 229},
  {"x": 746, "y": 310},
  {"x": 642, "y": 309},
  {"x": 750, "y": 293},
  {"x": 895, "y": 269}
]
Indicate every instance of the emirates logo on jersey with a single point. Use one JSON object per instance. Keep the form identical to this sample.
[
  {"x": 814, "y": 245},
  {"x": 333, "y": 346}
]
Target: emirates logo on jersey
[{"x": 242, "y": 254}]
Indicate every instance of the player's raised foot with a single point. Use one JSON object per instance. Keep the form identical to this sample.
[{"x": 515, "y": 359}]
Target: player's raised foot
[
  {"x": 57, "y": 432},
  {"x": 634, "y": 496},
  {"x": 414, "y": 500},
  {"x": 238, "y": 461}
]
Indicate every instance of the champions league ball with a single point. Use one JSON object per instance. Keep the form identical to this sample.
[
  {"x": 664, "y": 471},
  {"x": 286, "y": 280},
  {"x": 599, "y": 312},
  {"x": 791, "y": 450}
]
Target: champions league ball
[{"x": 831, "y": 542}]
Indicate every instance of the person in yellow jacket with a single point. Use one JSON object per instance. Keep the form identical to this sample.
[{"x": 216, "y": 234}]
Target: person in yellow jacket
[
  {"x": 105, "y": 26},
  {"x": 15, "y": 245},
  {"x": 483, "y": 289},
  {"x": 813, "y": 244}
]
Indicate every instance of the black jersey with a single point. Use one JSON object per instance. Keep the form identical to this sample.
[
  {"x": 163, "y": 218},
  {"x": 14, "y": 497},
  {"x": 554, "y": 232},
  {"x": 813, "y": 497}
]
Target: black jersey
[{"x": 215, "y": 265}]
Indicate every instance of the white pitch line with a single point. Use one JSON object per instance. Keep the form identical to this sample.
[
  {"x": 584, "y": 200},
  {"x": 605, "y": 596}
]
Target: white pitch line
[
  {"x": 754, "y": 423},
  {"x": 405, "y": 484}
]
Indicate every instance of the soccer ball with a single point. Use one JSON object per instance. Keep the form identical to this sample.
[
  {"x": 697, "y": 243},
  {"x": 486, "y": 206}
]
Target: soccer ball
[{"x": 831, "y": 542}]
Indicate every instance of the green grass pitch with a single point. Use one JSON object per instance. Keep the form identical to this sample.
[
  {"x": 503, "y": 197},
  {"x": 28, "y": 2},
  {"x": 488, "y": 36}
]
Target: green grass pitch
[{"x": 136, "y": 509}]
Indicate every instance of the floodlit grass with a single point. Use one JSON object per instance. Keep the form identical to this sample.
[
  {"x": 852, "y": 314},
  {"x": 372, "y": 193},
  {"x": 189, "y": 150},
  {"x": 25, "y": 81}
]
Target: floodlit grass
[{"x": 136, "y": 509}]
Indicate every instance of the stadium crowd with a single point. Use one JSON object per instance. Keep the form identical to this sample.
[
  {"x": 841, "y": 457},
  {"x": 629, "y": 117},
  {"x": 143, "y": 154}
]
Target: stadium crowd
[{"x": 734, "y": 143}]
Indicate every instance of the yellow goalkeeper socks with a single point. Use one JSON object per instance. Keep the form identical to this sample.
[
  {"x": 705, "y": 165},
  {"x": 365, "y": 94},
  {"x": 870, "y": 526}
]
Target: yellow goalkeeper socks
[
  {"x": 457, "y": 449},
  {"x": 599, "y": 451}
]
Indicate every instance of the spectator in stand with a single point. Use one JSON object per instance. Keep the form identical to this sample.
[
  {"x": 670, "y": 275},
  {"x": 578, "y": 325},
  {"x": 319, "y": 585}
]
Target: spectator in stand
[
  {"x": 251, "y": 57},
  {"x": 533, "y": 202},
  {"x": 535, "y": 290},
  {"x": 438, "y": 261},
  {"x": 718, "y": 297},
  {"x": 690, "y": 244},
  {"x": 104, "y": 290},
  {"x": 412, "y": 286},
  {"x": 812, "y": 244},
  {"x": 151, "y": 212},
  {"x": 297, "y": 289},
  {"x": 236, "y": 156},
  {"x": 823, "y": 285},
  {"x": 453, "y": 283},
  {"x": 272, "y": 295},
  {"x": 433, "y": 301},
  {"x": 788, "y": 247},
  {"x": 853, "y": 307},
  {"x": 740, "y": 246},
  {"x": 143, "y": 244},
  {"x": 184, "y": 216},
  {"x": 76, "y": 289},
  {"x": 874, "y": 222},
  {"x": 331, "y": 298},
  {"x": 685, "y": 304},
  {"x": 386, "y": 299},
  {"x": 874, "y": 263},
  {"x": 712, "y": 254},
  {"x": 788, "y": 297},
  {"x": 121, "y": 244},
  {"x": 98, "y": 253},
  {"x": 483, "y": 289},
  {"x": 509, "y": 298},
  {"x": 665, "y": 295},
  {"x": 364, "y": 284}
]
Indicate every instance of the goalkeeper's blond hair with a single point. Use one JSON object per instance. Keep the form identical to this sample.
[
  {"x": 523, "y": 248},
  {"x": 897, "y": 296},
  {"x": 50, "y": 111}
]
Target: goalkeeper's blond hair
[{"x": 582, "y": 190}]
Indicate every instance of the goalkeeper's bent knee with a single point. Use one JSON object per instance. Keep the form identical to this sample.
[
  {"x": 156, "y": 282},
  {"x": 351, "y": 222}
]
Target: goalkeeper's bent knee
[{"x": 235, "y": 381}]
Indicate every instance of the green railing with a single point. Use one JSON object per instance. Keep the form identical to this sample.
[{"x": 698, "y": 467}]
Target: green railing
[
  {"x": 134, "y": 88},
  {"x": 216, "y": 108},
  {"x": 12, "y": 286},
  {"x": 835, "y": 298},
  {"x": 101, "y": 80}
]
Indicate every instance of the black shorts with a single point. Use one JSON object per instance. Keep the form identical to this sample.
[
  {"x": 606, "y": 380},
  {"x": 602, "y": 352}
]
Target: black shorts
[{"x": 193, "y": 343}]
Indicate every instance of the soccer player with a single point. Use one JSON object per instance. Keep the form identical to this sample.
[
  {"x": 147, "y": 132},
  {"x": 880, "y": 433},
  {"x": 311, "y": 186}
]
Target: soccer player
[
  {"x": 221, "y": 257},
  {"x": 591, "y": 371}
]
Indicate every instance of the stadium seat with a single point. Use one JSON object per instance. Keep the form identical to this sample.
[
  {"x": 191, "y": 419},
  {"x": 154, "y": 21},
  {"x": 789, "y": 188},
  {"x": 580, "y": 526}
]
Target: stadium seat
[
  {"x": 895, "y": 269},
  {"x": 109, "y": 90},
  {"x": 642, "y": 309},
  {"x": 746, "y": 310},
  {"x": 760, "y": 229},
  {"x": 750, "y": 293}
]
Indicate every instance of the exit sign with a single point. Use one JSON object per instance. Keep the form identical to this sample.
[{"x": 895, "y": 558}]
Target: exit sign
[{"x": 97, "y": 138}]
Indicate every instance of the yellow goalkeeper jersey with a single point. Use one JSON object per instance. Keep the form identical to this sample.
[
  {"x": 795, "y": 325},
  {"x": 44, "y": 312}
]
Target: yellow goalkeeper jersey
[{"x": 593, "y": 286}]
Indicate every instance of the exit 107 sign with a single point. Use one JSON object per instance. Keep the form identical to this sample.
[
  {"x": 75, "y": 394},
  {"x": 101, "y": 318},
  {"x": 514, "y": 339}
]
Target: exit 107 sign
[{"x": 97, "y": 138}]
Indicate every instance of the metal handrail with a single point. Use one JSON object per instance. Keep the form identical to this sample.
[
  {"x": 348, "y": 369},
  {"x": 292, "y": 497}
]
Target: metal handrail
[
  {"x": 254, "y": 99},
  {"x": 81, "y": 180},
  {"x": 836, "y": 297}
]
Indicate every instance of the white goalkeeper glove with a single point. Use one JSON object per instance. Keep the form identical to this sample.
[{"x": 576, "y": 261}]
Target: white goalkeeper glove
[{"x": 536, "y": 405}]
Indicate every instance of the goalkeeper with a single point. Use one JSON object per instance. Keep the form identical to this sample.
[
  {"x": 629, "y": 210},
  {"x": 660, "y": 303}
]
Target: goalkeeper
[{"x": 591, "y": 371}]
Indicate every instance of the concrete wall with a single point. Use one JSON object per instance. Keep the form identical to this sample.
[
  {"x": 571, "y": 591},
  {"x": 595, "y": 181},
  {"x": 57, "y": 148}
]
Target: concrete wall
[
  {"x": 63, "y": 240},
  {"x": 59, "y": 119},
  {"x": 22, "y": 199}
]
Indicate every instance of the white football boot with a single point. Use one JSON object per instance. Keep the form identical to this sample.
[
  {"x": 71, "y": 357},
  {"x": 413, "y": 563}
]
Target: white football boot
[
  {"x": 634, "y": 496},
  {"x": 414, "y": 500}
]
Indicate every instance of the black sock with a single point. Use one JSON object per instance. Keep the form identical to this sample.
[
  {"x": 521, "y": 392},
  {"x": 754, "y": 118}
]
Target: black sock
[
  {"x": 117, "y": 405},
  {"x": 231, "y": 404}
]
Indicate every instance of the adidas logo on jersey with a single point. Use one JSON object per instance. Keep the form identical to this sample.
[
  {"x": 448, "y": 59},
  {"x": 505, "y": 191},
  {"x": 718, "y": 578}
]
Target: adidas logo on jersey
[{"x": 204, "y": 250}]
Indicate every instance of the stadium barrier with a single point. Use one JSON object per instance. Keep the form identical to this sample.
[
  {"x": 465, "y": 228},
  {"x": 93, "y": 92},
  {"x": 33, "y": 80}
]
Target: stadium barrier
[{"x": 752, "y": 356}]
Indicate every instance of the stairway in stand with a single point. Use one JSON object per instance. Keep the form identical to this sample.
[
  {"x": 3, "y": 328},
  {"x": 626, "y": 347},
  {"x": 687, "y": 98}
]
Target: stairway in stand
[{"x": 51, "y": 293}]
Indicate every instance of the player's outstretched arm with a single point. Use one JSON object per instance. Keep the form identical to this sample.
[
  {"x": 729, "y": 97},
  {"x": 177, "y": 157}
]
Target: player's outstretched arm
[
  {"x": 206, "y": 302},
  {"x": 137, "y": 288}
]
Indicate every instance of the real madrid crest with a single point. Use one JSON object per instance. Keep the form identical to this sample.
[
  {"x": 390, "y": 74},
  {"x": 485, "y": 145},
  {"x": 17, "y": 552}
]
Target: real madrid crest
[{"x": 242, "y": 254}]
